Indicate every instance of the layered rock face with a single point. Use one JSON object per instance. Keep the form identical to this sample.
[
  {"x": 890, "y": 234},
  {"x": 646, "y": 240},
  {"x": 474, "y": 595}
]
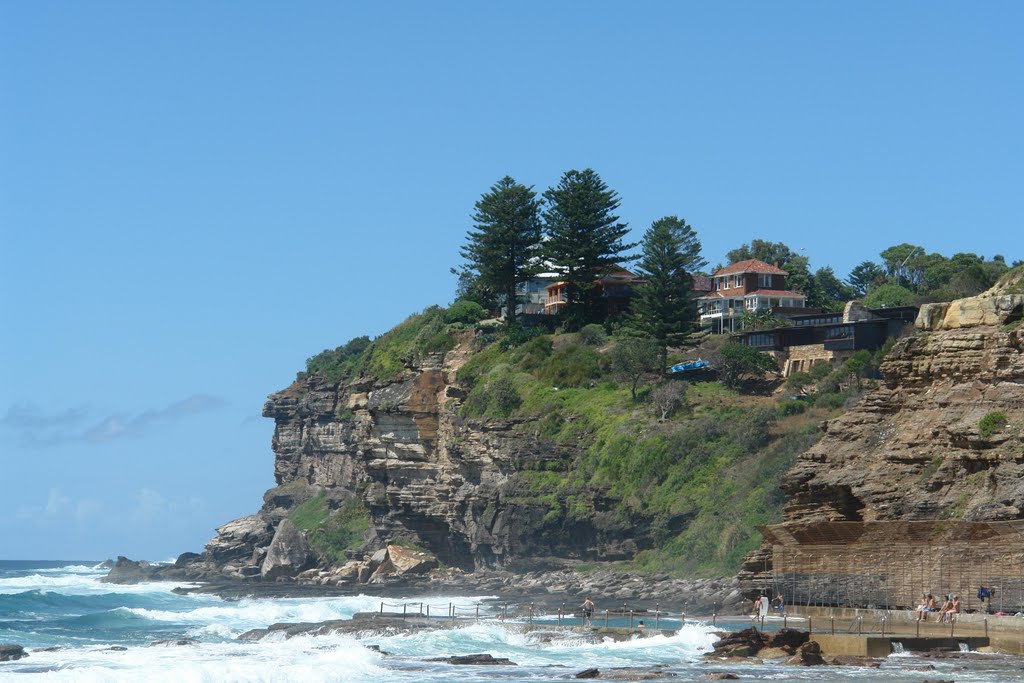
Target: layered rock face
[
  {"x": 922, "y": 479},
  {"x": 916, "y": 447},
  {"x": 427, "y": 477}
]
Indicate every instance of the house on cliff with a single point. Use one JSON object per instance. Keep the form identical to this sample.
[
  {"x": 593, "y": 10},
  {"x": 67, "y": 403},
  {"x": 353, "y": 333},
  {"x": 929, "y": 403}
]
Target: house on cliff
[
  {"x": 832, "y": 338},
  {"x": 750, "y": 285},
  {"x": 617, "y": 288}
]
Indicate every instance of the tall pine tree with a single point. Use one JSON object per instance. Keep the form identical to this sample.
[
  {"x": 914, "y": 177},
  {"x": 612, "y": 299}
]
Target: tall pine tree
[
  {"x": 584, "y": 240},
  {"x": 664, "y": 307},
  {"x": 504, "y": 248}
]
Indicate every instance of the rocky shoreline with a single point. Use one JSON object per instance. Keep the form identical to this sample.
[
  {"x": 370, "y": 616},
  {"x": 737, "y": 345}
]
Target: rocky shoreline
[{"x": 608, "y": 588}]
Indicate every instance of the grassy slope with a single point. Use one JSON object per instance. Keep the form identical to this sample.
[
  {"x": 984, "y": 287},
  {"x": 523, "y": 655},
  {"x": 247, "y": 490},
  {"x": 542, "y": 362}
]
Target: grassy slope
[{"x": 706, "y": 476}]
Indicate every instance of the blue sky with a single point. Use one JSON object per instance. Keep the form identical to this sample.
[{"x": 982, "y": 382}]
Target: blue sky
[{"x": 197, "y": 196}]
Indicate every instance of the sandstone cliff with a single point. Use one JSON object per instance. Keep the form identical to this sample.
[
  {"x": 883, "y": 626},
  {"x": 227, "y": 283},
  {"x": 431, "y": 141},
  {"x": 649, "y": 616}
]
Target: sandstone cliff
[
  {"x": 399, "y": 451},
  {"x": 941, "y": 439},
  {"x": 915, "y": 448}
]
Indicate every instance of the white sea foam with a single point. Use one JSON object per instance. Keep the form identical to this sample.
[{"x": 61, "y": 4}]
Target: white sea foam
[
  {"x": 230, "y": 618},
  {"x": 79, "y": 583},
  {"x": 325, "y": 658}
]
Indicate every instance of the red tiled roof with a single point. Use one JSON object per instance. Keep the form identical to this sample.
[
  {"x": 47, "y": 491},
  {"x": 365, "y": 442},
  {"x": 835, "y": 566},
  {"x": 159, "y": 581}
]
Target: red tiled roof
[
  {"x": 751, "y": 266},
  {"x": 756, "y": 292},
  {"x": 702, "y": 283},
  {"x": 774, "y": 292}
]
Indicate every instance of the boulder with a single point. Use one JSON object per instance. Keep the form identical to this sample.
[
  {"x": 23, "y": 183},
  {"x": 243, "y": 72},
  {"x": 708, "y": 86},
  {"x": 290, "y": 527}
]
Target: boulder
[
  {"x": 238, "y": 539},
  {"x": 127, "y": 571},
  {"x": 288, "y": 554},
  {"x": 9, "y": 653},
  {"x": 809, "y": 654},
  {"x": 745, "y": 643},
  {"x": 974, "y": 311},
  {"x": 788, "y": 638},
  {"x": 186, "y": 559},
  {"x": 588, "y": 673},
  {"x": 401, "y": 561}
]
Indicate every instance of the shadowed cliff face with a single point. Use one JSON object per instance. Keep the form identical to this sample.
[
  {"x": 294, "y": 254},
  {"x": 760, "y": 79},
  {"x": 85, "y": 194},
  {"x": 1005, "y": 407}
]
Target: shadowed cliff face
[
  {"x": 429, "y": 476},
  {"x": 915, "y": 448}
]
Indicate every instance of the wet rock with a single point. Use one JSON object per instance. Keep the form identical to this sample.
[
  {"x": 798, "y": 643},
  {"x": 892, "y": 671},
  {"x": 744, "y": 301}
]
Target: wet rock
[
  {"x": 745, "y": 643},
  {"x": 172, "y": 642},
  {"x": 849, "y": 660},
  {"x": 9, "y": 653},
  {"x": 117, "y": 648},
  {"x": 809, "y": 654},
  {"x": 588, "y": 673},
  {"x": 127, "y": 571},
  {"x": 787, "y": 639},
  {"x": 482, "y": 659},
  {"x": 723, "y": 676}
]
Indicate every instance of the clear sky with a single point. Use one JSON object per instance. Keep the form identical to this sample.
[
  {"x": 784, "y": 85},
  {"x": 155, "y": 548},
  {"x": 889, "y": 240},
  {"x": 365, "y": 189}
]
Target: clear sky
[{"x": 197, "y": 196}]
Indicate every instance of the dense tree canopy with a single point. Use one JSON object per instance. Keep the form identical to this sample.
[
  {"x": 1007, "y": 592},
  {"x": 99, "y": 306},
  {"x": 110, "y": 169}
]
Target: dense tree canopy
[
  {"x": 663, "y": 308},
  {"x": 584, "y": 240},
  {"x": 504, "y": 247}
]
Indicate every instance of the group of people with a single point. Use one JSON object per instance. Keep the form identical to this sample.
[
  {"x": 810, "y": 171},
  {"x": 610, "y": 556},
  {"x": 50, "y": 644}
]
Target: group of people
[
  {"x": 763, "y": 604},
  {"x": 950, "y": 607}
]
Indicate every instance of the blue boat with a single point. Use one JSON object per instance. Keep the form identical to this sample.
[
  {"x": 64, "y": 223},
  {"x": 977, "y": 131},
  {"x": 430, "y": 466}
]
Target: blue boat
[{"x": 690, "y": 365}]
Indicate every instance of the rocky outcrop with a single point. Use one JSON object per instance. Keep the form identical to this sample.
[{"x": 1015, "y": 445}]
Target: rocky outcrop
[
  {"x": 9, "y": 653},
  {"x": 425, "y": 476},
  {"x": 127, "y": 571},
  {"x": 288, "y": 554},
  {"x": 915, "y": 447},
  {"x": 941, "y": 439},
  {"x": 398, "y": 561}
]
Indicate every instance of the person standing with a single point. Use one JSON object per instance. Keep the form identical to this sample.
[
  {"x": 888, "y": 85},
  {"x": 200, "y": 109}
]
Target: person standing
[{"x": 588, "y": 611}]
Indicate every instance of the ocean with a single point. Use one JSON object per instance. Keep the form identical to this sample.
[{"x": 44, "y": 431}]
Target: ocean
[{"x": 63, "y": 605}]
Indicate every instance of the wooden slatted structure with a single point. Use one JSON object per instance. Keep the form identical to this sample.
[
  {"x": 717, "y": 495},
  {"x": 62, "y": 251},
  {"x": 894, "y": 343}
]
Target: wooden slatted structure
[{"x": 889, "y": 564}]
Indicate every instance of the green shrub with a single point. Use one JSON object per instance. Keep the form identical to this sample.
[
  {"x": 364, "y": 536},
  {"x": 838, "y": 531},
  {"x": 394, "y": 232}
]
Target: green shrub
[
  {"x": 465, "y": 313},
  {"x": 421, "y": 333},
  {"x": 820, "y": 371},
  {"x": 991, "y": 423},
  {"x": 788, "y": 408},
  {"x": 341, "y": 362},
  {"x": 593, "y": 335},
  {"x": 534, "y": 353},
  {"x": 831, "y": 400},
  {"x": 799, "y": 380},
  {"x": 571, "y": 366},
  {"x": 331, "y": 532},
  {"x": 517, "y": 335},
  {"x": 495, "y": 398}
]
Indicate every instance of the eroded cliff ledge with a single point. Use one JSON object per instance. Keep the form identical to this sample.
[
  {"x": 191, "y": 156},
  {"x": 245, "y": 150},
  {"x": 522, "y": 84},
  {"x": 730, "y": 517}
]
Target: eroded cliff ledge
[
  {"x": 399, "y": 451},
  {"x": 885, "y": 499},
  {"x": 915, "y": 448}
]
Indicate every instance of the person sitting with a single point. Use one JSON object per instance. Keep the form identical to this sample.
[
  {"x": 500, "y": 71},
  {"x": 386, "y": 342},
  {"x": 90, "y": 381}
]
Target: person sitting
[
  {"x": 947, "y": 605},
  {"x": 954, "y": 609},
  {"x": 927, "y": 605}
]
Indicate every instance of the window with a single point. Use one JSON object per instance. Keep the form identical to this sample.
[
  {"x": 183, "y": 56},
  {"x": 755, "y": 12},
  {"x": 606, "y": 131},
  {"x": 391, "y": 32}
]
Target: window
[{"x": 764, "y": 280}]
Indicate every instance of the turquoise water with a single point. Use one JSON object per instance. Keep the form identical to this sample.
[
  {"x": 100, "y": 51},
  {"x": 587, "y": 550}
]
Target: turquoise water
[{"x": 64, "y": 605}]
